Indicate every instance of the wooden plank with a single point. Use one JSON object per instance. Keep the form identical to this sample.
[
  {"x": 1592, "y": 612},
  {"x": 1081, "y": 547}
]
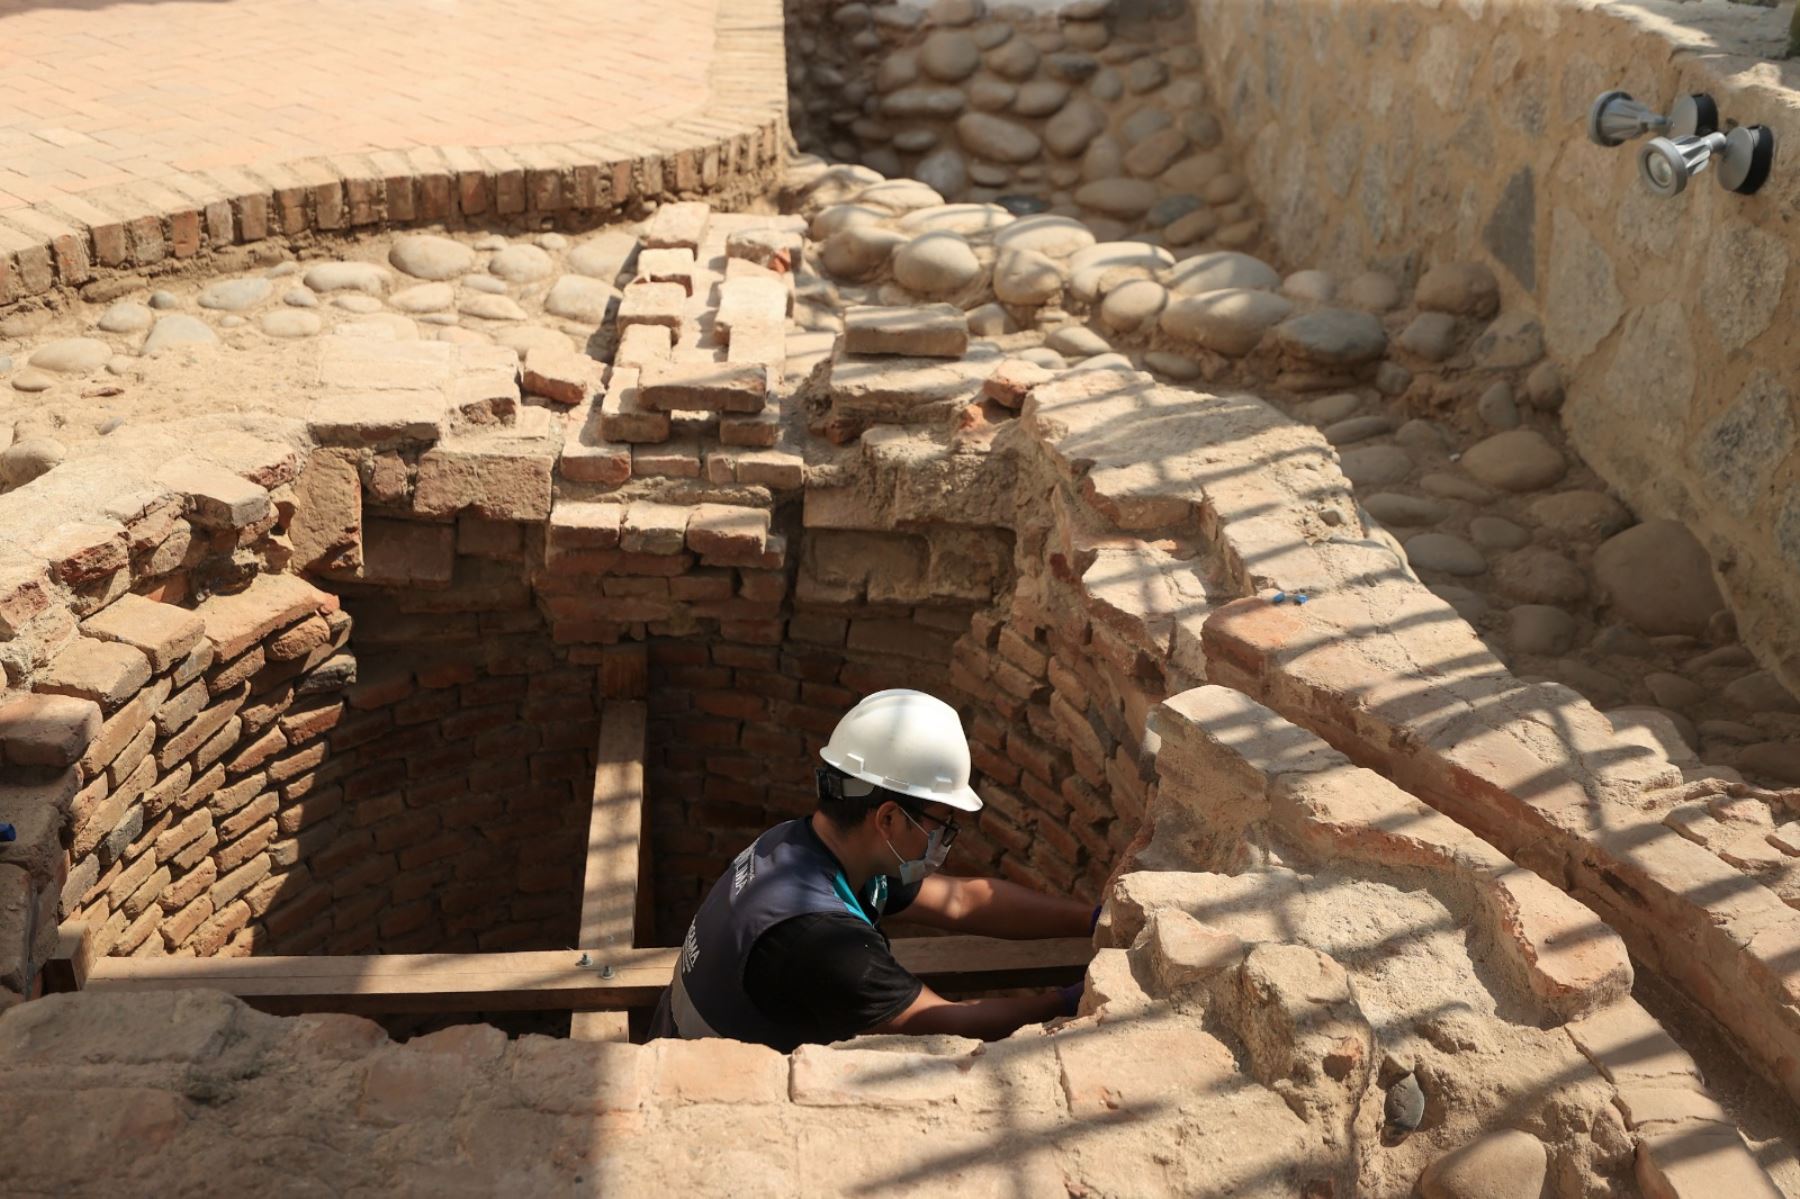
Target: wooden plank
[
  {"x": 609, "y": 885},
  {"x": 545, "y": 981},
  {"x": 74, "y": 960},
  {"x": 600, "y": 1026},
  {"x": 625, "y": 671},
  {"x": 609, "y": 889}
]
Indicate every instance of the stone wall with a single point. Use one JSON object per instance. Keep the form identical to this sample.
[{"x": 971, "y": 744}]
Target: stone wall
[
  {"x": 1083, "y": 111},
  {"x": 1356, "y": 133}
]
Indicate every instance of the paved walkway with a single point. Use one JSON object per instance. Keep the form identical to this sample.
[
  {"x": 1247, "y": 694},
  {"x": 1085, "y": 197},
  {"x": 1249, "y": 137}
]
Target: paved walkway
[{"x": 96, "y": 95}]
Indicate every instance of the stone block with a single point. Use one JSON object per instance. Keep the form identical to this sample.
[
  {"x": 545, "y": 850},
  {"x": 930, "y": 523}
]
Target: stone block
[
  {"x": 106, "y": 672},
  {"x": 759, "y": 342},
  {"x": 404, "y": 551},
  {"x": 668, "y": 265},
  {"x": 499, "y": 476},
  {"x": 681, "y": 225},
  {"x": 717, "y": 1071},
  {"x": 24, "y": 590},
  {"x": 1573, "y": 962},
  {"x": 489, "y": 395},
  {"x": 1012, "y": 381},
  {"x": 272, "y": 601},
  {"x": 379, "y": 418},
  {"x": 927, "y": 331},
  {"x": 662, "y": 304},
  {"x": 1148, "y": 1062},
  {"x": 776, "y": 249},
  {"x": 300, "y": 640},
  {"x": 724, "y": 529},
  {"x": 563, "y": 376},
  {"x": 720, "y": 468},
  {"x": 1699, "y": 1163},
  {"x": 677, "y": 458},
  {"x": 1643, "y": 1105},
  {"x": 80, "y": 552},
  {"x": 624, "y": 416},
  {"x": 761, "y": 431},
  {"x": 47, "y": 730},
  {"x": 902, "y": 391},
  {"x": 651, "y": 528},
  {"x": 216, "y": 498},
  {"x": 779, "y": 470},
  {"x": 640, "y": 345},
  {"x": 1183, "y": 951},
  {"x": 1628, "y": 1046},
  {"x": 163, "y": 632},
  {"x": 744, "y": 303},
  {"x": 704, "y": 387},
  {"x": 587, "y": 456},
  {"x": 580, "y": 525},
  {"x": 366, "y": 364},
  {"x": 829, "y": 1077},
  {"x": 570, "y": 1077}
]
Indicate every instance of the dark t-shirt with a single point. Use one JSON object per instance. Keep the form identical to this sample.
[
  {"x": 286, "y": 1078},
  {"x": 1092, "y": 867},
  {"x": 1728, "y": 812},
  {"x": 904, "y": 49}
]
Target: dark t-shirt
[{"x": 827, "y": 976}]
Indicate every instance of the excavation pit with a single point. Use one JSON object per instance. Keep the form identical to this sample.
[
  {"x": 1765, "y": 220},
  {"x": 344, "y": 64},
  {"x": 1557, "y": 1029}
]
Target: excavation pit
[{"x": 413, "y": 621}]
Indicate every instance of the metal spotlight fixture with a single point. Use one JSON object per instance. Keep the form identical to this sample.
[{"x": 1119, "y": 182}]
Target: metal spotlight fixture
[
  {"x": 1616, "y": 118},
  {"x": 1743, "y": 156}
]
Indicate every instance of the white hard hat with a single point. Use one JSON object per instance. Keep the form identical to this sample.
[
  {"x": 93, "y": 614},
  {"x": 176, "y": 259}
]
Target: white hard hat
[{"x": 909, "y": 742}]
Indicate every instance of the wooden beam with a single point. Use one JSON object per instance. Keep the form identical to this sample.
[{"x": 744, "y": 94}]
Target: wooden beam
[
  {"x": 74, "y": 960},
  {"x": 544, "y": 981},
  {"x": 625, "y": 671},
  {"x": 609, "y": 897}
]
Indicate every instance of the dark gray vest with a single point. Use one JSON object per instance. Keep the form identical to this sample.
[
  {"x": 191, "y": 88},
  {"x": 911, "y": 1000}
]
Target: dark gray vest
[{"x": 784, "y": 873}]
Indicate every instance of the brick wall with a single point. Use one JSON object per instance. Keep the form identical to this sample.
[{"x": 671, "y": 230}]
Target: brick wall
[
  {"x": 736, "y": 729},
  {"x": 182, "y": 694},
  {"x": 453, "y": 813}
]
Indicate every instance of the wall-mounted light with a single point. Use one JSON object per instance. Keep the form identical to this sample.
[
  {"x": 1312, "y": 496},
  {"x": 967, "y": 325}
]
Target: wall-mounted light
[
  {"x": 1743, "y": 158},
  {"x": 1616, "y": 118},
  {"x": 1690, "y": 141}
]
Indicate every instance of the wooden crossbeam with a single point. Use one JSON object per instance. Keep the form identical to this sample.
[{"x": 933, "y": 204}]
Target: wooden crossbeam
[
  {"x": 74, "y": 960},
  {"x": 609, "y": 897},
  {"x": 544, "y": 981}
]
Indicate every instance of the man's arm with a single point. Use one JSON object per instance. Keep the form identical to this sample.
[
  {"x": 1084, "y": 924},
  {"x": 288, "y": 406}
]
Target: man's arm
[
  {"x": 993, "y": 907},
  {"x": 986, "y": 1019}
]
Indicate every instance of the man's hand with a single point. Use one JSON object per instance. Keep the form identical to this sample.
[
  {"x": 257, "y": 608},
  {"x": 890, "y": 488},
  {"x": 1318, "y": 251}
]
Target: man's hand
[
  {"x": 991, "y": 907},
  {"x": 987, "y": 1019}
]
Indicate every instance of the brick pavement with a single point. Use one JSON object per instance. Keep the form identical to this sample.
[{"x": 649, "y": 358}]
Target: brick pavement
[{"x": 95, "y": 96}]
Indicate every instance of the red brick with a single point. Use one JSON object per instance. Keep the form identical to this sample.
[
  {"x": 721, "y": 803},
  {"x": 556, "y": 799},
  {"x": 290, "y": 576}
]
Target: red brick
[
  {"x": 732, "y": 704},
  {"x": 308, "y": 810},
  {"x": 162, "y": 632},
  {"x": 310, "y": 719},
  {"x": 48, "y": 730}
]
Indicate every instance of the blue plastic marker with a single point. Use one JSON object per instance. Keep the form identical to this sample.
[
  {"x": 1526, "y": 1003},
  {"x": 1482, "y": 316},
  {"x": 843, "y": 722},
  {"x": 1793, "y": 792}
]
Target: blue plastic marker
[{"x": 8, "y": 833}]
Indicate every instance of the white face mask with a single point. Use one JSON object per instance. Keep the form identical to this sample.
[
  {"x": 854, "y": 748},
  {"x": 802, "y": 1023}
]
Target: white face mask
[{"x": 918, "y": 869}]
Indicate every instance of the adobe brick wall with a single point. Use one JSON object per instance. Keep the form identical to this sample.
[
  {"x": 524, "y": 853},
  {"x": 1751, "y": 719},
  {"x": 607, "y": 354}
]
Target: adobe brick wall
[
  {"x": 736, "y": 729},
  {"x": 163, "y": 764},
  {"x": 460, "y": 788}
]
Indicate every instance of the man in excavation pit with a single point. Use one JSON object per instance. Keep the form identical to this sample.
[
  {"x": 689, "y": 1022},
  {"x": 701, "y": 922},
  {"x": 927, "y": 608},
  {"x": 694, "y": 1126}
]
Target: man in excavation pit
[{"x": 787, "y": 947}]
